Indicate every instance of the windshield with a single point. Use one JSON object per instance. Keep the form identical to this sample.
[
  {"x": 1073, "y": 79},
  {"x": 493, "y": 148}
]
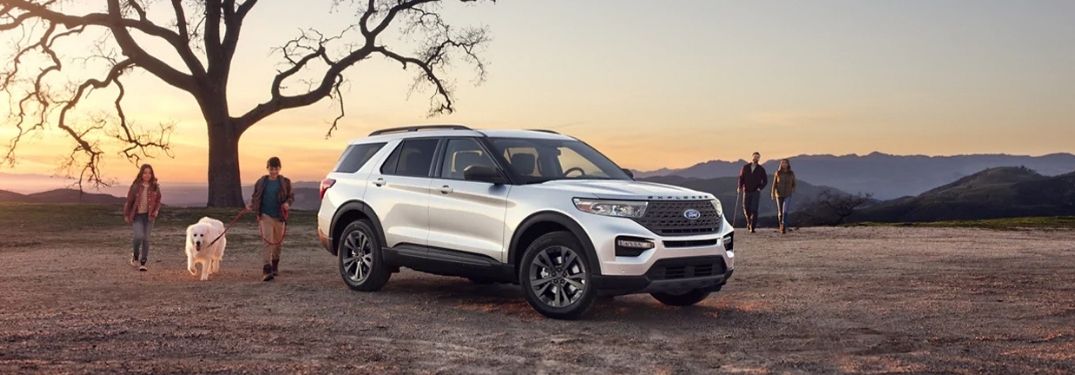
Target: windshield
[{"x": 540, "y": 160}]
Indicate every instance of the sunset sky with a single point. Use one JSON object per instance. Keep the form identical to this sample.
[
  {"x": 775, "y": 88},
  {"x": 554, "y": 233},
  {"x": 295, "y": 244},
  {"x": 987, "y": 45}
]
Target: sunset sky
[{"x": 666, "y": 83}]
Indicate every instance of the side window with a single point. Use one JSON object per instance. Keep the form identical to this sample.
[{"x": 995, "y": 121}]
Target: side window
[
  {"x": 412, "y": 158},
  {"x": 461, "y": 153},
  {"x": 389, "y": 166},
  {"x": 356, "y": 156}
]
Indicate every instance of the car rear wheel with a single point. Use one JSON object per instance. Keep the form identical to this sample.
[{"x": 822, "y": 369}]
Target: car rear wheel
[{"x": 360, "y": 261}]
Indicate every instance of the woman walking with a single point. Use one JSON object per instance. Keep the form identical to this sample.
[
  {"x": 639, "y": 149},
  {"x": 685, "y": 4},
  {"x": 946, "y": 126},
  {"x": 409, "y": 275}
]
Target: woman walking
[
  {"x": 143, "y": 205},
  {"x": 783, "y": 188}
]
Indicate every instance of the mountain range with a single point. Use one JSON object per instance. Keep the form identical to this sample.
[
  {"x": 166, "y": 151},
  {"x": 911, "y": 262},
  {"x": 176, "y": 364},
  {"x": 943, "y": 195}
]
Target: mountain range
[
  {"x": 882, "y": 175},
  {"x": 60, "y": 196},
  {"x": 991, "y": 193},
  {"x": 724, "y": 189},
  {"x": 903, "y": 188},
  {"x": 306, "y": 196}
]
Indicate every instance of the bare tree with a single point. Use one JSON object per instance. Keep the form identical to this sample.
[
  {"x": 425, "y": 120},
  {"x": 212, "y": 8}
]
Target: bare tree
[
  {"x": 830, "y": 208},
  {"x": 204, "y": 35}
]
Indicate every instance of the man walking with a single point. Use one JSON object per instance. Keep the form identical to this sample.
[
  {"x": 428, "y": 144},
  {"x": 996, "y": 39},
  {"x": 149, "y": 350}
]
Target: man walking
[
  {"x": 752, "y": 178},
  {"x": 271, "y": 200}
]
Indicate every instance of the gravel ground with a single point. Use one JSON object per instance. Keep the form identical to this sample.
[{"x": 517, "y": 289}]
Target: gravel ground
[{"x": 819, "y": 300}]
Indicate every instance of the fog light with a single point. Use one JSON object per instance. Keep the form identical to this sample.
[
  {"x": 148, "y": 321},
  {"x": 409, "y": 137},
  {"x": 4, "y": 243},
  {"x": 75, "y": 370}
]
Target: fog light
[
  {"x": 632, "y": 246},
  {"x": 635, "y": 244}
]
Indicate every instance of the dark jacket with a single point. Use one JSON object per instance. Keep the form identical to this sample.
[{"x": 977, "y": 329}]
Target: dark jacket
[
  {"x": 752, "y": 181},
  {"x": 285, "y": 195},
  {"x": 130, "y": 208},
  {"x": 783, "y": 184}
]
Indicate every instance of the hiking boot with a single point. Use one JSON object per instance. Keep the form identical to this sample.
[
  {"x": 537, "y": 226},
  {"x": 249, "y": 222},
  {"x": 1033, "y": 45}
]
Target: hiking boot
[
  {"x": 134, "y": 261},
  {"x": 267, "y": 273},
  {"x": 142, "y": 268},
  {"x": 275, "y": 267}
]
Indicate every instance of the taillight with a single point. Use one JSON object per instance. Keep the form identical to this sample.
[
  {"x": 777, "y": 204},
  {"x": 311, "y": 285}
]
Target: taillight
[{"x": 325, "y": 184}]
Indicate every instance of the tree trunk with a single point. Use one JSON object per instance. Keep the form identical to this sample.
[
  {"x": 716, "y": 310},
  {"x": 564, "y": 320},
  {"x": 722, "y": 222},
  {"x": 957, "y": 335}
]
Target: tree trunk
[{"x": 225, "y": 185}]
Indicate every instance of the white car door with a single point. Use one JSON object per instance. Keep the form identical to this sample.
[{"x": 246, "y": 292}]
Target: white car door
[
  {"x": 467, "y": 216},
  {"x": 399, "y": 192}
]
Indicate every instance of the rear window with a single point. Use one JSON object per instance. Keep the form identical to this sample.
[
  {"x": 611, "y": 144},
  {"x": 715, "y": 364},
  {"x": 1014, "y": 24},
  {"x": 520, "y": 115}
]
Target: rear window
[
  {"x": 356, "y": 156},
  {"x": 413, "y": 158}
]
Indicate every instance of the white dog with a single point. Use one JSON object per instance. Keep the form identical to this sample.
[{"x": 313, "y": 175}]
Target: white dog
[{"x": 202, "y": 249}]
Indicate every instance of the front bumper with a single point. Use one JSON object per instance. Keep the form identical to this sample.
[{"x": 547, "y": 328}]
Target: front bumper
[
  {"x": 603, "y": 232},
  {"x": 708, "y": 273}
]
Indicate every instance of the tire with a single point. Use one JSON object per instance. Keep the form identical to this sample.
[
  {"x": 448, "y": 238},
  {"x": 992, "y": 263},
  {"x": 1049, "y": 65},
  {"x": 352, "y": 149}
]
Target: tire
[
  {"x": 687, "y": 298},
  {"x": 555, "y": 276},
  {"x": 359, "y": 261}
]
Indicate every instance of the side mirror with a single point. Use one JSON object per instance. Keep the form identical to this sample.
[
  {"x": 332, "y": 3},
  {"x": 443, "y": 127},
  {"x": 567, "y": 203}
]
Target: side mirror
[
  {"x": 629, "y": 173},
  {"x": 482, "y": 173}
]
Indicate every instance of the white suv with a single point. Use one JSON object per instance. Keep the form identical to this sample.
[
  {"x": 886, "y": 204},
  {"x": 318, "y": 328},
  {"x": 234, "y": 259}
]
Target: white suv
[{"x": 531, "y": 207}]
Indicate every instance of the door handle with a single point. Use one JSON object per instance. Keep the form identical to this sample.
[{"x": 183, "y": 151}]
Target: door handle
[
  {"x": 379, "y": 182},
  {"x": 446, "y": 189}
]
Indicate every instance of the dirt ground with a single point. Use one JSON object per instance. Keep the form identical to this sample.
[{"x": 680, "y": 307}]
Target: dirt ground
[{"x": 820, "y": 300}]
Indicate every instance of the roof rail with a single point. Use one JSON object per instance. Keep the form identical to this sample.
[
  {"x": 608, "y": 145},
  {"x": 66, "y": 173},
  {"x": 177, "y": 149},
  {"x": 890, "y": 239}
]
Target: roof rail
[
  {"x": 544, "y": 131},
  {"x": 418, "y": 128}
]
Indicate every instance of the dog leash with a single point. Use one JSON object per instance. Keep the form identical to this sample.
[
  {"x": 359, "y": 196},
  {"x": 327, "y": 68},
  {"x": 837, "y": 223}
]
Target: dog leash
[
  {"x": 236, "y": 219},
  {"x": 282, "y": 236},
  {"x": 228, "y": 227}
]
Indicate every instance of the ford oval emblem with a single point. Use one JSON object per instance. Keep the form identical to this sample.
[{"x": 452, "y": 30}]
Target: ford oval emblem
[{"x": 692, "y": 214}]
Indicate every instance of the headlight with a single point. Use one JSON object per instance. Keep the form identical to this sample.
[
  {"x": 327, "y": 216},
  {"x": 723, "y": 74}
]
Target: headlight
[
  {"x": 631, "y": 209},
  {"x": 718, "y": 206}
]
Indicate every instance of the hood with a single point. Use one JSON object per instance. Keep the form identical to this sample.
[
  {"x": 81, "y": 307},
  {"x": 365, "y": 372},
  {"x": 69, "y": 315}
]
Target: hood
[{"x": 625, "y": 189}]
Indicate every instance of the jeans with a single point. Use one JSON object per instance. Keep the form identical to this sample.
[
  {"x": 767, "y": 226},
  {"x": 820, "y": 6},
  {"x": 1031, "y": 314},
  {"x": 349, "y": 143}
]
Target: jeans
[
  {"x": 782, "y": 204},
  {"x": 750, "y": 207},
  {"x": 142, "y": 226}
]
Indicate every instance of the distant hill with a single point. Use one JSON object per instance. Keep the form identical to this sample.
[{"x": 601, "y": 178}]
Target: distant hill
[
  {"x": 991, "y": 193},
  {"x": 60, "y": 196},
  {"x": 306, "y": 196},
  {"x": 724, "y": 189},
  {"x": 882, "y": 175},
  {"x": 192, "y": 195},
  {"x": 10, "y": 196},
  {"x": 182, "y": 194}
]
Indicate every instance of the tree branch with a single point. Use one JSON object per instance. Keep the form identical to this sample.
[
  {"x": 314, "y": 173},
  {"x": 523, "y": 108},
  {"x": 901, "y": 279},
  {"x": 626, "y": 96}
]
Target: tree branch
[
  {"x": 181, "y": 21},
  {"x": 84, "y": 146},
  {"x": 339, "y": 98},
  {"x": 42, "y": 103},
  {"x": 429, "y": 60},
  {"x": 216, "y": 29}
]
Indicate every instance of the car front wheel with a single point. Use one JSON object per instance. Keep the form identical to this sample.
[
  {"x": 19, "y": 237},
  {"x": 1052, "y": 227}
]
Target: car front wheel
[{"x": 555, "y": 276}]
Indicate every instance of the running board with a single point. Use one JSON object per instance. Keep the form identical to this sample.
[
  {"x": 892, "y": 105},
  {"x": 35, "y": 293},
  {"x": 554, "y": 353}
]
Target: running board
[{"x": 447, "y": 262}]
